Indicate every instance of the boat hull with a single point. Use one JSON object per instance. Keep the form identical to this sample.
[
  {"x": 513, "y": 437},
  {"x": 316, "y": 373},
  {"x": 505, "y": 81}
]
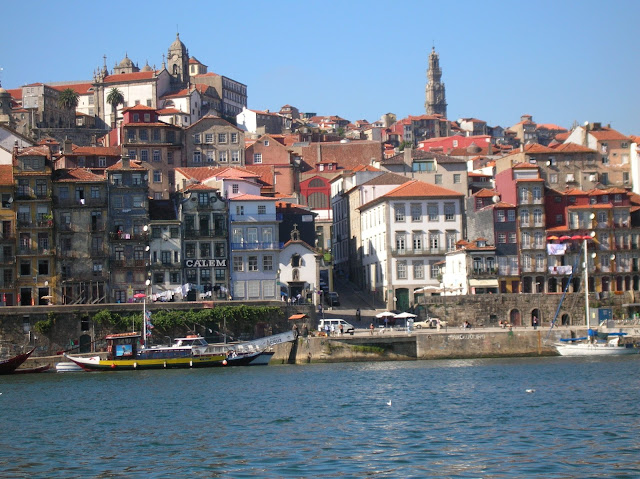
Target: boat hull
[
  {"x": 8, "y": 366},
  {"x": 594, "y": 350},
  {"x": 96, "y": 364},
  {"x": 262, "y": 359}
]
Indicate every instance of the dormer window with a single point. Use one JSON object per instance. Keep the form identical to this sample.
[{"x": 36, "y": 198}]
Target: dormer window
[
  {"x": 136, "y": 117},
  {"x": 481, "y": 243},
  {"x": 320, "y": 167}
]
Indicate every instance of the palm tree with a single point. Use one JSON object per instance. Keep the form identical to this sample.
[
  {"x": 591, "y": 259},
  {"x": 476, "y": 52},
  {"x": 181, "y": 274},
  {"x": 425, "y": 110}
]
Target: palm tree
[
  {"x": 68, "y": 100},
  {"x": 114, "y": 98}
]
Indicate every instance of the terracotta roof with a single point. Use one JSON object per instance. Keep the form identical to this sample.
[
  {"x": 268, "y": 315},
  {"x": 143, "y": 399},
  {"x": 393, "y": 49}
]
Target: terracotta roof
[
  {"x": 387, "y": 179},
  {"x": 126, "y": 77},
  {"x": 79, "y": 88},
  {"x": 247, "y": 197},
  {"x": 524, "y": 164},
  {"x": 574, "y": 192},
  {"x": 139, "y": 107},
  {"x": 133, "y": 164},
  {"x": 599, "y": 206},
  {"x": 95, "y": 150},
  {"x": 202, "y": 173},
  {"x": 174, "y": 94},
  {"x": 200, "y": 187},
  {"x": 572, "y": 148},
  {"x": 486, "y": 193},
  {"x": 610, "y": 191},
  {"x": 550, "y": 126},
  {"x": 40, "y": 150},
  {"x": 606, "y": 133},
  {"x": 208, "y": 74},
  {"x": 265, "y": 172},
  {"x": 169, "y": 111},
  {"x": 216, "y": 120},
  {"x": 418, "y": 189},
  {"x": 79, "y": 175},
  {"x": 503, "y": 204}
]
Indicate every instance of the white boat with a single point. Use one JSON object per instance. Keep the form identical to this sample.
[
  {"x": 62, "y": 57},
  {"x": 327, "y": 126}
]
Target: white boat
[
  {"x": 591, "y": 345},
  {"x": 67, "y": 367}
]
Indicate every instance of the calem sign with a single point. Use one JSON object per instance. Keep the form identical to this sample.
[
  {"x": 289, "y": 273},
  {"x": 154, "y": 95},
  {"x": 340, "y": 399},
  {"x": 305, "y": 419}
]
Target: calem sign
[{"x": 205, "y": 263}]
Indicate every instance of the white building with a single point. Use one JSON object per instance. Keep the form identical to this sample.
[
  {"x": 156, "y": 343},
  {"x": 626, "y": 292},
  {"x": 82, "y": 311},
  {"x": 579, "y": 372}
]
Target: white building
[
  {"x": 255, "y": 247},
  {"x": 299, "y": 269},
  {"x": 405, "y": 236}
]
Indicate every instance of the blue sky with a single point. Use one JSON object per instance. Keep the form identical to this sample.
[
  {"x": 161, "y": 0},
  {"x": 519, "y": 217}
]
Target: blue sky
[{"x": 559, "y": 61}]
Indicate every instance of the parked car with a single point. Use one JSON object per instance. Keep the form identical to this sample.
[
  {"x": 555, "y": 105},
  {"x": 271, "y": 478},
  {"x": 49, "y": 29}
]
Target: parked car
[
  {"x": 429, "y": 323},
  {"x": 332, "y": 298}
]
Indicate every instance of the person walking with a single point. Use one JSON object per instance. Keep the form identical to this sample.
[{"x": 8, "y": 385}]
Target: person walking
[
  {"x": 534, "y": 321},
  {"x": 333, "y": 330},
  {"x": 326, "y": 330},
  {"x": 341, "y": 327},
  {"x": 371, "y": 328}
]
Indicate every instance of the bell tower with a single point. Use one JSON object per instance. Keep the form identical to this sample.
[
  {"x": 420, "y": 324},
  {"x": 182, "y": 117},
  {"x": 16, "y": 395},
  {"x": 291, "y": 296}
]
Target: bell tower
[
  {"x": 435, "y": 101},
  {"x": 178, "y": 64}
]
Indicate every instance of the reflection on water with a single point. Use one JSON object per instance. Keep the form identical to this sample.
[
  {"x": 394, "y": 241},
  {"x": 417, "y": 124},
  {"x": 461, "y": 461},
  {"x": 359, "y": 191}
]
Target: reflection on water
[{"x": 462, "y": 418}]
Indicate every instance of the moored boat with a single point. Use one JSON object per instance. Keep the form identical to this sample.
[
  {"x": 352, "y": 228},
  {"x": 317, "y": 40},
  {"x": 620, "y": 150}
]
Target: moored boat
[
  {"x": 8, "y": 366},
  {"x": 124, "y": 352},
  {"x": 590, "y": 345}
]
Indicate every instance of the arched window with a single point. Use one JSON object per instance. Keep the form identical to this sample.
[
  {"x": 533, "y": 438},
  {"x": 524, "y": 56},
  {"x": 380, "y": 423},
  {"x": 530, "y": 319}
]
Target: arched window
[
  {"x": 295, "y": 261},
  {"x": 316, "y": 183}
]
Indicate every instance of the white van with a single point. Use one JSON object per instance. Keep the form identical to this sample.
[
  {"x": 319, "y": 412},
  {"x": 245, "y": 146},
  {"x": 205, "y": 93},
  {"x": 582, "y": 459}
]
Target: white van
[{"x": 346, "y": 327}]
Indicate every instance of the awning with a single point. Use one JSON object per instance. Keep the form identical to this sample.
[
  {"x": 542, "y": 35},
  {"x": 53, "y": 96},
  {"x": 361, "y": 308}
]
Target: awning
[{"x": 483, "y": 283}]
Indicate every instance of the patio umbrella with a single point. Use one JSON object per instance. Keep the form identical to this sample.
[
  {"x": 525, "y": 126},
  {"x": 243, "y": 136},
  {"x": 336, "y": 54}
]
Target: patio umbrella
[
  {"x": 552, "y": 238},
  {"x": 564, "y": 238},
  {"x": 405, "y": 315},
  {"x": 139, "y": 295},
  {"x": 387, "y": 314},
  {"x": 576, "y": 237},
  {"x": 46, "y": 297}
]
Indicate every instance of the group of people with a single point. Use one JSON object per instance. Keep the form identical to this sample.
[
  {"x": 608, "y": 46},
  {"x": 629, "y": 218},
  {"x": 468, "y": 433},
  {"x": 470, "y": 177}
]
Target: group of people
[{"x": 331, "y": 330}]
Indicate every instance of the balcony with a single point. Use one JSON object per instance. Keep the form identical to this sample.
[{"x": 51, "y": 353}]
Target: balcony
[
  {"x": 159, "y": 265},
  {"x": 481, "y": 272},
  {"x": 257, "y": 246},
  {"x": 128, "y": 236},
  {"x": 418, "y": 251},
  {"x": 129, "y": 263},
  {"x": 256, "y": 218},
  {"x": 71, "y": 202},
  {"x": 210, "y": 233}
]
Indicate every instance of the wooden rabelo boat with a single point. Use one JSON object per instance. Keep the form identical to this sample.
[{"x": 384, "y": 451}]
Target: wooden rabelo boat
[
  {"x": 125, "y": 352},
  {"x": 8, "y": 366}
]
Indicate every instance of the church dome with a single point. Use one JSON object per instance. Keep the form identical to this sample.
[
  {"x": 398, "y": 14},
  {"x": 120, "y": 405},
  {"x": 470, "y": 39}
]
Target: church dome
[
  {"x": 3, "y": 91},
  {"x": 126, "y": 62},
  {"x": 177, "y": 44},
  {"x": 147, "y": 68}
]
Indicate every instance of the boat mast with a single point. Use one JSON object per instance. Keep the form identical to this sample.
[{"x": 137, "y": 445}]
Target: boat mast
[
  {"x": 586, "y": 282},
  {"x": 144, "y": 321}
]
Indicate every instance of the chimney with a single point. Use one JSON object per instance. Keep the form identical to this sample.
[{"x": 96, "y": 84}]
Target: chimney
[
  {"x": 67, "y": 146},
  {"x": 407, "y": 155},
  {"x": 125, "y": 162},
  {"x": 585, "y": 135}
]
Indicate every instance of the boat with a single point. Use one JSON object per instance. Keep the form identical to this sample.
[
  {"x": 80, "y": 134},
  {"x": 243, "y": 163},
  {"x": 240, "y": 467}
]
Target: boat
[
  {"x": 67, "y": 367},
  {"x": 594, "y": 344},
  {"x": 125, "y": 352},
  {"x": 8, "y": 366},
  {"x": 38, "y": 369}
]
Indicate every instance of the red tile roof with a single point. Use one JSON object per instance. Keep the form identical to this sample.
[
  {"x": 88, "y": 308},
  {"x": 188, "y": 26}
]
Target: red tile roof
[
  {"x": 420, "y": 189},
  {"x": 79, "y": 175},
  {"x": 139, "y": 107},
  {"x": 606, "y": 133},
  {"x": 96, "y": 150},
  {"x": 125, "y": 77},
  {"x": 247, "y": 197},
  {"x": 79, "y": 88}
]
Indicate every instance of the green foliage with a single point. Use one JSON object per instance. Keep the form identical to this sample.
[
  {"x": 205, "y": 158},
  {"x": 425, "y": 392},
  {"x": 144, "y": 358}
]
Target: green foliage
[
  {"x": 368, "y": 349},
  {"x": 45, "y": 326},
  {"x": 68, "y": 99},
  {"x": 115, "y": 98},
  {"x": 405, "y": 144}
]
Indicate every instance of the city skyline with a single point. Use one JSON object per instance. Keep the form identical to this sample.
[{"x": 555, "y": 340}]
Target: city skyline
[{"x": 558, "y": 63}]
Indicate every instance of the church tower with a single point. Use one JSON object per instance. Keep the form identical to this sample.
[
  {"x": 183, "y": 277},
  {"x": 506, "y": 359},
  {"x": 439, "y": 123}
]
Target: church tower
[
  {"x": 436, "y": 102},
  {"x": 178, "y": 64}
]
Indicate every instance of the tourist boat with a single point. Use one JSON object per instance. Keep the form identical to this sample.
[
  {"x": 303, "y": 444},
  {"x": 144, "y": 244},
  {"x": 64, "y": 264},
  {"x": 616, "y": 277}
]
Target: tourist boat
[
  {"x": 124, "y": 352},
  {"x": 8, "y": 366},
  {"x": 591, "y": 345}
]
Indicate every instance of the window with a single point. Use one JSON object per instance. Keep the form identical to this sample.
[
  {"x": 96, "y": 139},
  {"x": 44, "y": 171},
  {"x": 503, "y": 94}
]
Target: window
[
  {"x": 500, "y": 216},
  {"x": 553, "y": 178},
  {"x": 222, "y": 137},
  {"x": 449, "y": 212},
  {"x": 240, "y": 210},
  {"x": 456, "y": 178},
  {"x": 144, "y": 134},
  {"x": 205, "y": 250},
  {"x": 211, "y": 156},
  {"x": 257, "y": 157},
  {"x": 220, "y": 274},
  {"x": 235, "y": 156},
  {"x": 559, "y": 219},
  {"x": 234, "y": 138},
  {"x": 266, "y": 142},
  {"x": 399, "y": 212},
  {"x": 513, "y": 238},
  {"x": 262, "y": 209},
  {"x": 156, "y": 134},
  {"x": 502, "y": 238},
  {"x": 416, "y": 212},
  {"x": 524, "y": 194},
  {"x": 524, "y": 217},
  {"x": 102, "y": 161},
  {"x": 196, "y": 138},
  {"x": 433, "y": 212},
  {"x": 267, "y": 263},
  {"x": 537, "y": 217},
  {"x": 451, "y": 240},
  {"x": 238, "y": 264},
  {"x": 438, "y": 179},
  {"x": 417, "y": 241},
  {"x": 196, "y": 157},
  {"x": 138, "y": 201},
  {"x": 144, "y": 155},
  {"x": 222, "y": 156},
  {"x": 235, "y": 188},
  {"x": 156, "y": 155},
  {"x": 511, "y": 215},
  {"x": 604, "y": 178},
  {"x": 157, "y": 176},
  {"x": 537, "y": 193},
  {"x": 401, "y": 269},
  {"x": 253, "y": 263},
  {"x": 400, "y": 242},
  {"x": 434, "y": 240},
  {"x": 170, "y": 157},
  {"x": 418, "y": 270},
  {"x": 208, "y": 138}
]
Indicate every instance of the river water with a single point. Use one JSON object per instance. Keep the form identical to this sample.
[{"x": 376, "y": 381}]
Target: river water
[{"x": 462, "y": 418}]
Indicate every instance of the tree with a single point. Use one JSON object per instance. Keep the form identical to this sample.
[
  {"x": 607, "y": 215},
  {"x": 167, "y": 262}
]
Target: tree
[
  {"x": 68, "y": 100},
  {"x": 114, "y": 98}
]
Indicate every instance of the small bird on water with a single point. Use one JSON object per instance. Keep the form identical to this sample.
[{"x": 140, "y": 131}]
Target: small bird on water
[
  {"x": 389, "y": 402},
  {"x": 530, "y": 390}
]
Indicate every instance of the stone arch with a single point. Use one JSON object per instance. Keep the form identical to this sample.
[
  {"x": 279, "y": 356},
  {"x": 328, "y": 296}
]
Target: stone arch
[
  {"x": 514, "y": 317},
  {"x": 565, "y": 319}
]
